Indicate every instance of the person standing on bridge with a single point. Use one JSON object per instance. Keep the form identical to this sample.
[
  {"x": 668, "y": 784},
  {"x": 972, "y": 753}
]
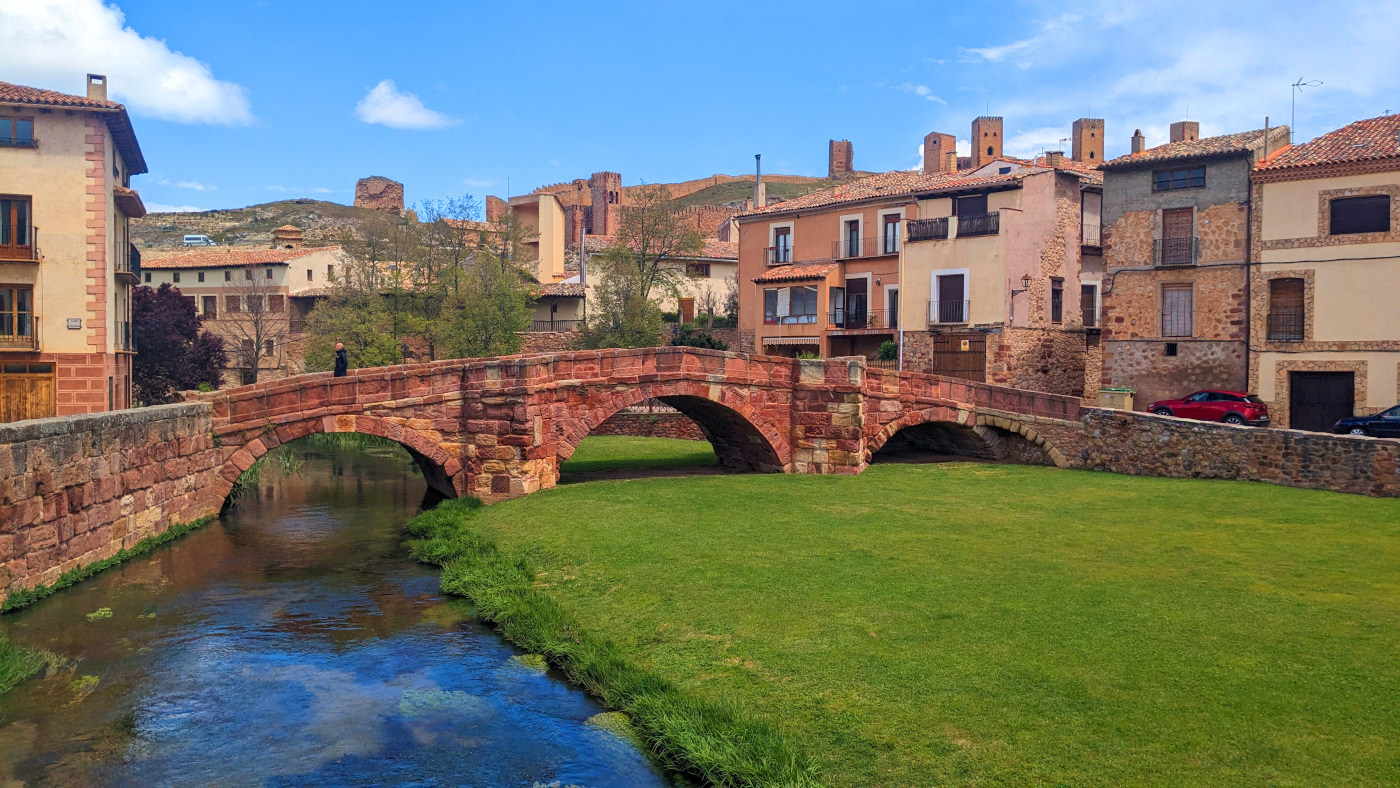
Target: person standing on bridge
[{"x": 342, "y": 363}]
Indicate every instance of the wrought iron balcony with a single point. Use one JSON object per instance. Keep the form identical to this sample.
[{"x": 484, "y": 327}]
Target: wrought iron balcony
[
  {"x": 25, "y": 336},
  {"x": 1286, "y": 325},
  {"x": 949, "y": 311},
  {"x": 861, "y": 319},
  {"x": 1090, "y": 316},
  {"x": 128, "y": 266},
  {"x": 1176, "y": 251},
  {"x": 1091, "y": 234},
  {"x": 979, "y": 224},
  {"x": 556, "y": 325},
  {"x": 778, "y": 255},
  {"x": 849, "y": 248},
  {"x": 125, "y": 339},
  {"x": 928, "y": 229}
]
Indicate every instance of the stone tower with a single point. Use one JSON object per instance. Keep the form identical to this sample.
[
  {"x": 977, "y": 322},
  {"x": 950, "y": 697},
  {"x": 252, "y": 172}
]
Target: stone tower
[
  {"x": 1087, "y": 140},
  {"x": 937, "y": 146},
  {"x": 840, "y": 159},
  {"x": 1185, "y": 131},
  {"x": 288, "y": 236},
  {"x": 606, "y": 191},
  {"x": 986, "y": 140},
  {"x": 378, "y": 193}
]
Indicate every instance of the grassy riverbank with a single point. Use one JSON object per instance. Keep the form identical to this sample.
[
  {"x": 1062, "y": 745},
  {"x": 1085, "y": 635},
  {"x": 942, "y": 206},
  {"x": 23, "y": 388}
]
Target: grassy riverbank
[
  {"x": 614, "y": 452},
  {"x": 961, "y": 624}
]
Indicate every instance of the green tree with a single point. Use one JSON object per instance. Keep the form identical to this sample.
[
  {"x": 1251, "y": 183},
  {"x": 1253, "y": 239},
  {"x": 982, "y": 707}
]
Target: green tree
[
  {"x": 638, "y": 268},
  {"x": 496, "y": 303},
  {"x": 358, "y": 318}
]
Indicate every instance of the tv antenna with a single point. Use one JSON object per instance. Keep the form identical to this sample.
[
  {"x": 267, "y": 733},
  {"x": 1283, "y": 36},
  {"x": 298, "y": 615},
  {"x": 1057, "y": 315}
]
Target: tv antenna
[{"x": 1293, "y": 111}]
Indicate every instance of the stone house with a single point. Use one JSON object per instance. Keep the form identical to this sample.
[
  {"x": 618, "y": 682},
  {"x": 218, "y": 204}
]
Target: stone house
[
  {"x": 1000, "y": 273},
  {"x": 1175, "y": 286},
  {"x": 1325, "y": 280},
  {"x": 66, "y": 260},
  {"x": 258, "y": 300}
]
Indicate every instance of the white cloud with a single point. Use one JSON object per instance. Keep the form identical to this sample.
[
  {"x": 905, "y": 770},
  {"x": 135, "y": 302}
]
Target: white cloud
[
  {"x": 194, "y": 185},
  {"x": 1029, "y": 143},
  {"x": 54, "y": 43},
  {"x": 155, "y": 207},
  {"x": 386, "y": 105},
  {"x": 997, "y": 54},
  {"x": 921, "y": 90}
]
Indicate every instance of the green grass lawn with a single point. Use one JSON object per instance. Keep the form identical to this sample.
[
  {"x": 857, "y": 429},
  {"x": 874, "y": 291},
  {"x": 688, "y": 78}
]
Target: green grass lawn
[
  {"x": 996, "y": 624},
  {"x": 613, "y": 452}
]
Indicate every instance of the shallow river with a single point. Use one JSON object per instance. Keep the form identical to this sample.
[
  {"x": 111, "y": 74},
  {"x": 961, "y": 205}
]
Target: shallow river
[{"x": 294, "y": 642}]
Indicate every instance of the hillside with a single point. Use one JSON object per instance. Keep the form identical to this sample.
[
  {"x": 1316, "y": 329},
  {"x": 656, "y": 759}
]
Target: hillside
[
  {"x": 322, "y": 222},
  {"x": 735, "y": 192}
]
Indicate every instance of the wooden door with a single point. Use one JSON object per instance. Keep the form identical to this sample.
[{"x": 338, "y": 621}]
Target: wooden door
[
  {"x": 951, "y": 307},
  {"x": 1318, "y": 400},
  {"x": 687, "y": 310},
  {"x": 959, "y": 356},
  {"x": 26, "y": 391}
]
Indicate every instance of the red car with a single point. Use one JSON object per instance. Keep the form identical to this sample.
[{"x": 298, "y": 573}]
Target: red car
[{"x": 1231, "y": 407}]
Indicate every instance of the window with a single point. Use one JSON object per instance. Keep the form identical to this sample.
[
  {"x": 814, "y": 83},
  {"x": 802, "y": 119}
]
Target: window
[
  {"x": 269, "y": 273},
  {"x": 852, "y": 238},
  {"x": 228, "y": 276},
  {"x": 330, "y": 271},
  {"x": 1089, "y": 305},
  {"x": 232, "y": 304},
  {"x": 275, "y": 303},
  {"x": 1057, "y": 300},
  {"x": 253, "y": 303},
  {"x": 248, "y": 274},
  {"x": 890, "y": 234},
  {"x": 1176, "y": 310},
  {"x": 1003, "y": 170},
  {"x": 1189, "y": 178},
  {"x": 1286, "y": 310},
  {"x": 308, "y": 275},
  {"x": 698, "y": 269},
  {"x": 267, "y": 347},
  {"x": 148, "y": 276},
  {"x": 782, "y": 245},
  {"x": 201, "y": 276},
  {"x": 975, "y": 205},
  {"x": 211, "y": 307},
  {"x": 1361, "y": 215},
  {"x": 1177, "y": 245},
  {"x": 16, "y": 228},
  {"x": 16, "y": 312},
  {"x": 175, "y": 277},
  {"x": 17, "y": 132},
  {"x": 949, "y": 304},
  {"x": 789, "y": 305}
]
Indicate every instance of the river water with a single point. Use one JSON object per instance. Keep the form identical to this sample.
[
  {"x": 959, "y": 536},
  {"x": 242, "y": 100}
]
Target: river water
[{"x": 294, "y": 642}]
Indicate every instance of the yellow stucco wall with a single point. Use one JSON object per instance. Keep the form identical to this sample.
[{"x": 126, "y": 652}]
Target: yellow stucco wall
[
  {"x": 1291, "y": 207},
  {"x": 1382, "y": 373}
]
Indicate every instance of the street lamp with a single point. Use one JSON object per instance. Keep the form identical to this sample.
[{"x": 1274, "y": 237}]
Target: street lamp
[{"x": 1025, "y": 285}]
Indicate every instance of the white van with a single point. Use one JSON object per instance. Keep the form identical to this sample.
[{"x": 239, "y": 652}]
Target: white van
[{"x": 198, "y": 240}]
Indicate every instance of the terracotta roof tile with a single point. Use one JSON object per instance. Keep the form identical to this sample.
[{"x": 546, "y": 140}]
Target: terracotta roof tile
[
  {"x": 562, "y": 289},
  {"x": 796, "y": 272},
  {"x": 1205, "y": 147},
  {"x": 1374, "y": 138},
  {"x": 120, "y": 125},
  {"x": 229, "y": 258}
]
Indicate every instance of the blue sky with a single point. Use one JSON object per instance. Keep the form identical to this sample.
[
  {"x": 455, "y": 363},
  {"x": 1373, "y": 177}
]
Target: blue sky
[{"x": 237, "y": 103}]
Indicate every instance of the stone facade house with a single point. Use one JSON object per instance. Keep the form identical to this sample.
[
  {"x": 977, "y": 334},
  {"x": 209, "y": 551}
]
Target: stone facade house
[
  {"x": 1175, "y": 286},
  {"x": 1325, "y": 284},
  {"x": 66, "y": 260}
]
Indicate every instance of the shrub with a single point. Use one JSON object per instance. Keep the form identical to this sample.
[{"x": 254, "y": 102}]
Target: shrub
[
  {"x": 889, "y": 351},
  {"x": 689, "y": 337}
]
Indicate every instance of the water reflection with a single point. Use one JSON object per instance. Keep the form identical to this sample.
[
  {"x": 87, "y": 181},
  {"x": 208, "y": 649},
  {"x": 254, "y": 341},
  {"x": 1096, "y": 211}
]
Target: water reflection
[{"x": 294, "y": 643}]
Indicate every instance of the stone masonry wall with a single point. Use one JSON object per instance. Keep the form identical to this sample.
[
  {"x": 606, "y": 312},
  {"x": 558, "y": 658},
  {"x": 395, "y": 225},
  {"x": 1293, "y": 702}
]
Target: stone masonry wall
[
  {"x": 651, "y": 425},
  {"x": 76, "y": 490}
]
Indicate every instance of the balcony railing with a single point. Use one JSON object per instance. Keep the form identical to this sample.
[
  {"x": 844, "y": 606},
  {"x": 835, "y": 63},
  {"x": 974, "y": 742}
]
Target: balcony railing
[
  {"x": 928, "y": 229},
  {"x": 556, "y": 325},
  {"x": 23, "y": 247},
  {"x": 778, "y": 255},
  {"x": 1286, "y": 326},
  {"x": 1091, "y": 234},
  {"x": 26, "y": 338},
  {"x": 1090, "y": 316},
  {"x": 125, "y": 339},
  {"x": 128, "y": 266},
  {"x": 949, "y": 311},
  {"x": 979, "y": 224},
  {"x": 1175, "y": 251},
  {"x": 861, "y": 319},
  {"x": 18, "y": 142},
  {"x": 848, "y": 248}
]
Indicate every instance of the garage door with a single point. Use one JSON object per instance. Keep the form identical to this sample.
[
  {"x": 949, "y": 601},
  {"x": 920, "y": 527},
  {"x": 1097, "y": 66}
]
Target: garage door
[
  {"x": 1317, "y": 400},
  {"x": 26, "y": 391},
  {"x": 959, "y": 356}
]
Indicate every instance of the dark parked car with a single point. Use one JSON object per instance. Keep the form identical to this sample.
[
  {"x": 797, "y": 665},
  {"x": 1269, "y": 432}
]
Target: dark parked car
[
  {"x": 1385, "y": 424},
  {"x": 1231, "y": 407}
]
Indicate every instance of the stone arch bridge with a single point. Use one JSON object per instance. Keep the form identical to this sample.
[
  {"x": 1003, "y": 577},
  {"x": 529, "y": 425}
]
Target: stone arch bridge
[{"x": 499, "y": 428}]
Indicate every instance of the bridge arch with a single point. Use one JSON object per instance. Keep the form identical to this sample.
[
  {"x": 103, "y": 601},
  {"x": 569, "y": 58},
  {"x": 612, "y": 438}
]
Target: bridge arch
[
  {"x": 951, "y": 430},
  {"x": 742, "y": 439},
  {"x": 441, "y": 471}
]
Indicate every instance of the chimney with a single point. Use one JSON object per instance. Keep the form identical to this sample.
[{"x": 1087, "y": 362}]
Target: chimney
[
  {"x": 1054, "y": 158},
  {"x": 1185, "y": 131},
  {"x": 1139, "y": 141},
  {"x": 97, "y": 87},
  {"x": 937, "y": 146},
  {"x": 950, "y": 161},
  {"x": 1087, "y": 140},
  {"x": 760, "y": 192}
]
